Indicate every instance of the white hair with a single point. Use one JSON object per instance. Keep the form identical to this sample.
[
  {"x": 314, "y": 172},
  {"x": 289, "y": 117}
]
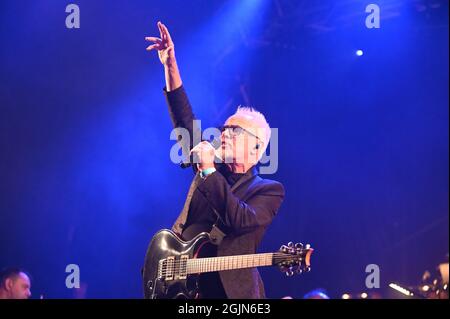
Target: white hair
[{"x": 260, "y": 123}]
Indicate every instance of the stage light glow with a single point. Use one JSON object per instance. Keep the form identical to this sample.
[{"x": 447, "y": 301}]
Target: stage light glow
[
  {"x": 359, "y": 52},
  {"x": 401, "y": 289}
]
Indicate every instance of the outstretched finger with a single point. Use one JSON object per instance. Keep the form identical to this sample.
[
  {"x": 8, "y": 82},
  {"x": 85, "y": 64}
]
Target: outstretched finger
[
  {"x": 153, "y": 39},
  {"x": 152, "y": 47},
  {"x": 161, "y": 31},
  {"x": 167, "y": 34}
]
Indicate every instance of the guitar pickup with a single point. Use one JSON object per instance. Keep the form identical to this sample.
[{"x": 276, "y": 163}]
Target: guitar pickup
[
  {"x": 169, "y": 271},
  {"x": 183, "y": 267}
]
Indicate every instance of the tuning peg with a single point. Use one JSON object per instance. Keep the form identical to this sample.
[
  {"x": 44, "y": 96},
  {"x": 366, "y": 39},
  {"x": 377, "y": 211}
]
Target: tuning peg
[
  {"x": 298, "y": 245},
  {"x": 308, "y": 269},
  {"x": 308, "y": 246},
  {"x": 289, "y": 273},
  {"x": 298, "y": 271},
  {"x": 290, "y": 244}
]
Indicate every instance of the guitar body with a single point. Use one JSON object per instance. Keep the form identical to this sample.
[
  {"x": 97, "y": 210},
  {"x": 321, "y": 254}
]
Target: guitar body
[
  {"x": 165, "y": 255},
  {"x": 172, "y": 267}
]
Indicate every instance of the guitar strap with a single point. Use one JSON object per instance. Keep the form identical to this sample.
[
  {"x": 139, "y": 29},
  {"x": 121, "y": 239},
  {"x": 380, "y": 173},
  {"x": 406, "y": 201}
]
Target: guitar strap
[{"x": 179, "y": 223}]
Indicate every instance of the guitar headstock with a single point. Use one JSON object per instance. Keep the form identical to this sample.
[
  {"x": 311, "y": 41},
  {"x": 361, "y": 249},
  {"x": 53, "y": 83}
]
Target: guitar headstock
[{"x": 294, "y": 259}]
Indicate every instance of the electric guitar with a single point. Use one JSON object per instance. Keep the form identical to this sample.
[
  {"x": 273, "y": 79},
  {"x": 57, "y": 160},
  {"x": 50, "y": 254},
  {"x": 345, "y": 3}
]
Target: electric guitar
[{"x": 172, "y": 267}]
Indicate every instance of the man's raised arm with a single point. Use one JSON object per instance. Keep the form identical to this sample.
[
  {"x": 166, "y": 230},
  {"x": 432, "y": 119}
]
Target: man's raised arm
[
  {"x": 166, "y": 53},
  {"x": 180, "y": 109}
]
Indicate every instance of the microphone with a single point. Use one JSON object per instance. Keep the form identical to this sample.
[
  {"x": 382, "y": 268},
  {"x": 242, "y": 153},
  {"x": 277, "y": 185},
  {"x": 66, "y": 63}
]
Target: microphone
[{"x": 216, "y": 144}]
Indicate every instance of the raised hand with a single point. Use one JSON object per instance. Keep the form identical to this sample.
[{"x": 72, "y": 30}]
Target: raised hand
[{"x": 164, "y": 45}]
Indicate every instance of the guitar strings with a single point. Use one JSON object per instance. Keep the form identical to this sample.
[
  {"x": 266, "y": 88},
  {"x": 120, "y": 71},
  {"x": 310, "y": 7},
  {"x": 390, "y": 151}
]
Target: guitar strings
[{"x": 175, "y": 266}]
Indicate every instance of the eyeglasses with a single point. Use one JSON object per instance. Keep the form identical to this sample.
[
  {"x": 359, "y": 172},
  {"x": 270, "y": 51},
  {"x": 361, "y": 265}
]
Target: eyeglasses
[{"x": 236, "y": 130}]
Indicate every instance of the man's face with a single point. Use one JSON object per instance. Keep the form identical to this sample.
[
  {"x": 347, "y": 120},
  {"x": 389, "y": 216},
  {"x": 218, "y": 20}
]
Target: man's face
[
  {"x": 19, "y": 286},
  {"x": 240, "y": 148}
]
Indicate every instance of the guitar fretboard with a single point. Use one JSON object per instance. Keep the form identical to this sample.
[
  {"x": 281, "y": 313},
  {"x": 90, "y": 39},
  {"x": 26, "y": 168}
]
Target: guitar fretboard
[{"x": 202, "y": 265}]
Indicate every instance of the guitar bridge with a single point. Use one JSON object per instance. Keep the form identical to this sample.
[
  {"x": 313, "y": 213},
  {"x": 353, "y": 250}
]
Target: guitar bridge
[{"x": 161, "y": 265}]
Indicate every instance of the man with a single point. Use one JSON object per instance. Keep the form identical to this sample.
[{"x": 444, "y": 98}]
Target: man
[
  {"x": 231, "y": 194},
  {"x": 14, "y": 284}
]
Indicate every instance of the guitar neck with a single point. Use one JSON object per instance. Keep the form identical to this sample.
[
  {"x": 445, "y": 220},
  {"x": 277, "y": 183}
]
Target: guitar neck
[{"x": 202, "y": 265}]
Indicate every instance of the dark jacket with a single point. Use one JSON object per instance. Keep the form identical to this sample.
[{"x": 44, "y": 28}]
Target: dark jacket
[{"x": 245, "y": 212}]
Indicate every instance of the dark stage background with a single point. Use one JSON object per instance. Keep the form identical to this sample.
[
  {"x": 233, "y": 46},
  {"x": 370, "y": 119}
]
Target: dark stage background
[{"x": 85, "y": 173}]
